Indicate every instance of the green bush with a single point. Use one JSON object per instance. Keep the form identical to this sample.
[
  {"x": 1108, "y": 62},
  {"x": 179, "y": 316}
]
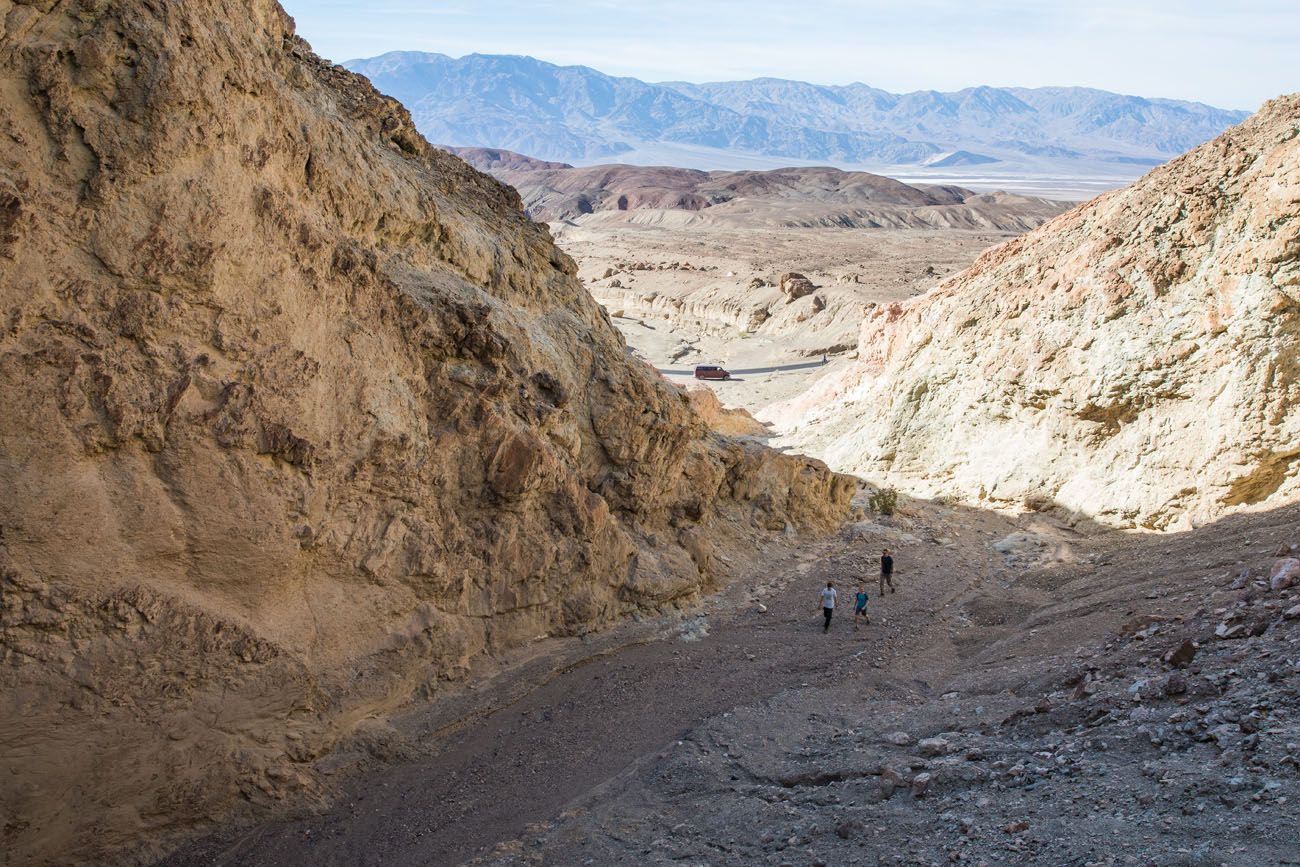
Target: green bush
[{"x": 884, "y": 501}]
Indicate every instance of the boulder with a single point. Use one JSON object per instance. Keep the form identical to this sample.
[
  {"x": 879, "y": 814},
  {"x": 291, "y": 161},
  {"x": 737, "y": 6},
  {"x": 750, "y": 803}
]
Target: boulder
[
  {"x": 1182, "y": 655},
  {"x": 1284, "y": 574},
  {"x": 794, "y": 286},
  {"x": 890, "y": 781}
]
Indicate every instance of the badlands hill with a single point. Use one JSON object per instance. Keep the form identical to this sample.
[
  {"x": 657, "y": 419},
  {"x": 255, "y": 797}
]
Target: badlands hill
[
  {"x": 1134, "y": 359},
  {"x": 787, "y": 197},
  {"x": 303, "y": 417},
  {"x": 578, "y": 114}
]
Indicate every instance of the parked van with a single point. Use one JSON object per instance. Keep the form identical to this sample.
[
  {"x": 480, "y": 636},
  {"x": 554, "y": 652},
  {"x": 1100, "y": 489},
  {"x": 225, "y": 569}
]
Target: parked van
[{"x": 711, "y": 371}]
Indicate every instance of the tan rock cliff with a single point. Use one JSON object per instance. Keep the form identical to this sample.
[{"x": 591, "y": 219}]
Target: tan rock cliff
[
  {"x": 1135, "y": 359},
  {"x": 300, "y": 416}
]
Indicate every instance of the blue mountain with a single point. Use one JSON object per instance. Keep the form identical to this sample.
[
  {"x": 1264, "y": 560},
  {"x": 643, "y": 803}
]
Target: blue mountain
[{"x": 578, "y": 114}]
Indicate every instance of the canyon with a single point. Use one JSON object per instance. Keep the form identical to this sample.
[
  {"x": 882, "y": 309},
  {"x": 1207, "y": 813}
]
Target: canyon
[{"x": 353, "y": 515}]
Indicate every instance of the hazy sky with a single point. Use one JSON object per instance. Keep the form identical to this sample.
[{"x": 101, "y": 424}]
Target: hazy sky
[{"x": 1231, "y": 53}]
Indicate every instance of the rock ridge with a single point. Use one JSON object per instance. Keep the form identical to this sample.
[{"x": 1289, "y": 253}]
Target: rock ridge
[{"x": 1132, "y": 360}]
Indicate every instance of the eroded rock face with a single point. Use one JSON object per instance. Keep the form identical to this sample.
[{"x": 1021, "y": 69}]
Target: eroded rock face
[
  {"x": 301, "y": 416},
  {"x": 723, "y": 419},
  {"x": 1134, "y": 359}
]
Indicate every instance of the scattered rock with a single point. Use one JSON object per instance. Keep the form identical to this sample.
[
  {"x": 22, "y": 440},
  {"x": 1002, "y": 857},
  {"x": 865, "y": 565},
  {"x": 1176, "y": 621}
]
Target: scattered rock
[
  {"x": 849, "y": 828},
  {"x": 931, "y": 747},
  {"x": 1230, "y": 631},
  {"x": 1285, "y": 574},
  {"x": 1182, "y": 655},
  {"x": 921, "y": 784},
  {"x": 898, "y": 739},
  {"x": 1020, "y": 543},
  {"x": 1015, "y": 827},
  {"x": 890, "y": 781}
]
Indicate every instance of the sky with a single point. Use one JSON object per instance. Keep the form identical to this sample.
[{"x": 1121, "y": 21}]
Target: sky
[{"x": 1229, "y": 53}]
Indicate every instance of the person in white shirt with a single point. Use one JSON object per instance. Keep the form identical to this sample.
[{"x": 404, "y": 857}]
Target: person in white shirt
[{"x": 828, "y": 604}]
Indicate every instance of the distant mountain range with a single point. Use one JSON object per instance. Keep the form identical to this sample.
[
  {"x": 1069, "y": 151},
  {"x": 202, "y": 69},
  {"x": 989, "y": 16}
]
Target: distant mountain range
[{"x": 580, "y": 115}]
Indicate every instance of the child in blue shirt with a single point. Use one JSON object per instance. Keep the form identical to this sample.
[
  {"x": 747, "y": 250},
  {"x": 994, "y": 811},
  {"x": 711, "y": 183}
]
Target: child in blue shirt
[{"x": 860, "y": 606}]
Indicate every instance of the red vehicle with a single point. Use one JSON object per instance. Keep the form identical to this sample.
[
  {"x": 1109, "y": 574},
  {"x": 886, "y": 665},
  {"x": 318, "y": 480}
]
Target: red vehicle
[{"x": 711, "y": 371}]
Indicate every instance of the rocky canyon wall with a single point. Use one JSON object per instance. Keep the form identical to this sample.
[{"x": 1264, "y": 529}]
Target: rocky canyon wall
[
  {"x": 300, "y": 416},
  {"x": 1136, "y": 359}
]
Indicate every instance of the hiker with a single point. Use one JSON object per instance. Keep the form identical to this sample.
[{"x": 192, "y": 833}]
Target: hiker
[
  {"x": 828, "y": 605},
  {"x": 886, "y": 572},
  {"x": 860, "y": 606}
]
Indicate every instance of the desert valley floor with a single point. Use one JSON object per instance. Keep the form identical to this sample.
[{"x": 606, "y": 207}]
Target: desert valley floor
[{"x": 682, "y": 295}]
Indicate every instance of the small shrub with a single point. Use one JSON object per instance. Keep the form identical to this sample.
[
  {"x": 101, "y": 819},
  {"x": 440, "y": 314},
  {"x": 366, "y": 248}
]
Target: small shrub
[{"x": 884, "y": 501}]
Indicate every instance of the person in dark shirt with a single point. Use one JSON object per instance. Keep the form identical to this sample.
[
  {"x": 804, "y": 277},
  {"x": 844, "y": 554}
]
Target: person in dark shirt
[{"x": 886, "y": 572}]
